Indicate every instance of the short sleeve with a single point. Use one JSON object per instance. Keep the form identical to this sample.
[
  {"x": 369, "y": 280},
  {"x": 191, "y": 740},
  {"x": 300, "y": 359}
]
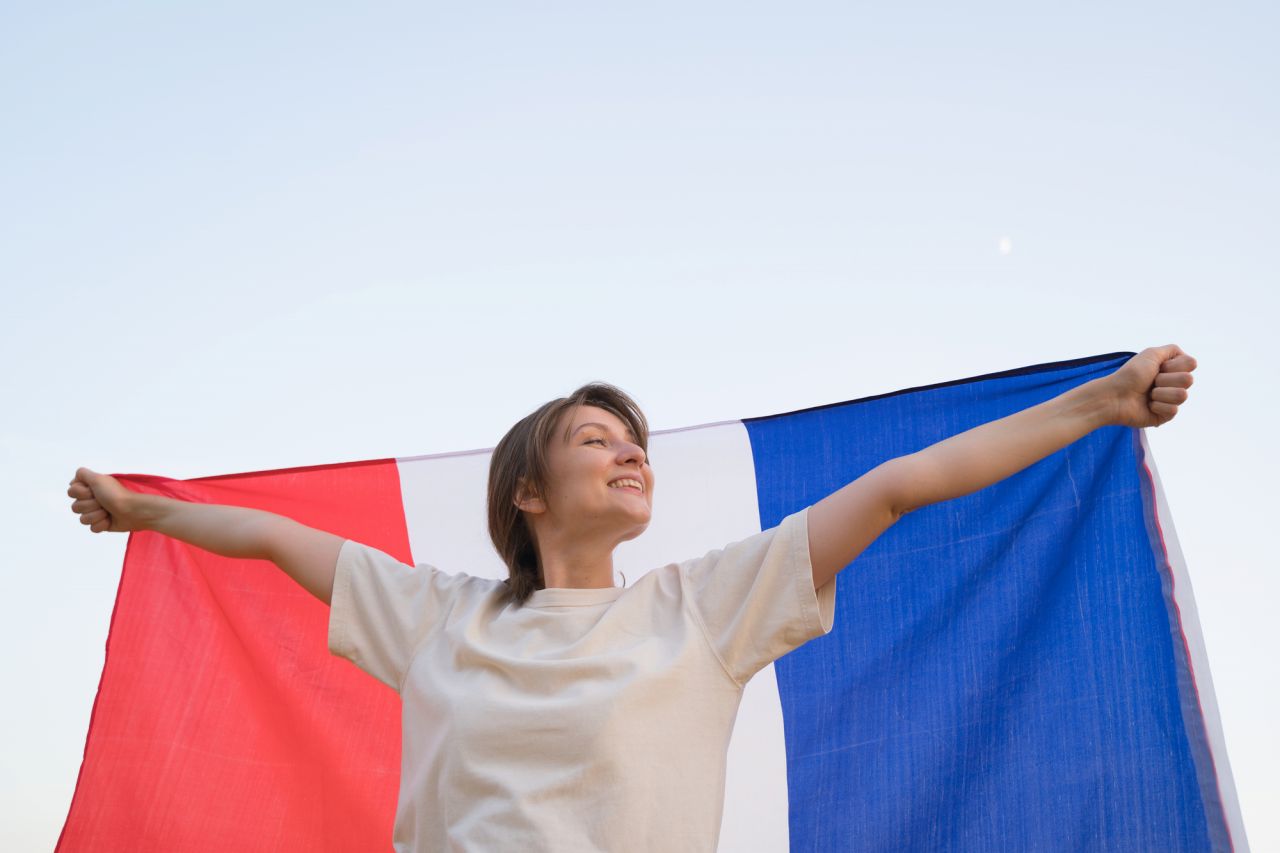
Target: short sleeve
[
  {"x": 381, "y": 610},
  {"x": 755, "y": 597}
]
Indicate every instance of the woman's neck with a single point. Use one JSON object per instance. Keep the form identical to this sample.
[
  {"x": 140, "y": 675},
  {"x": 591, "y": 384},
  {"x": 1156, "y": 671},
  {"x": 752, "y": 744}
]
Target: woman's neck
[{"x": 578, "y": 563}]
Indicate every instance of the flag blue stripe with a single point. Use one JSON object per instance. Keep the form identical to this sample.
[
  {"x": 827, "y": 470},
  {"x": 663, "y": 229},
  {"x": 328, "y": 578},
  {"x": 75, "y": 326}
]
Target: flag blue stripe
[{"x": 1002, "y": 674}]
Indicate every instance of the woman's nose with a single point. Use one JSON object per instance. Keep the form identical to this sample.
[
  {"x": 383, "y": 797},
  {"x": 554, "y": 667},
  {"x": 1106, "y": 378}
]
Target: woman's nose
[{"x": 632, "y": 453}]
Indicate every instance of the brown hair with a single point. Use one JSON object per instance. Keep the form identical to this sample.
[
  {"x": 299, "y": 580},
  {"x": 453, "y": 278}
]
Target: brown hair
[{"x": 521, "y": 455}]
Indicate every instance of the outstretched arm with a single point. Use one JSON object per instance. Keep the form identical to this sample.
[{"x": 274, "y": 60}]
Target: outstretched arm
[
  {"x": 307, "y": 555},
  {"x": 1145, "y": 391}
]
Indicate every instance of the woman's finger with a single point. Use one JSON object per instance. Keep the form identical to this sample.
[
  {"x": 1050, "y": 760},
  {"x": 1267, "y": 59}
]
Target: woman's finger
[
  {"x": 85, "y": 505},
  {"x": 1178, "y": 363},
  {"x": 1169, "y": 395},
  {"x": 1174, "y": 380},
  {"x": 91, "y": 517}
]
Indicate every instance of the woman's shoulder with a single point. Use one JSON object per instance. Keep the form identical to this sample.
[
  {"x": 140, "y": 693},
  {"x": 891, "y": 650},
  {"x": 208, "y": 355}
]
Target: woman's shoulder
[
  {"x": 389, "y": 565},
  {"x": 477, "y": 584},
  {"x": 656, "y": 586}
]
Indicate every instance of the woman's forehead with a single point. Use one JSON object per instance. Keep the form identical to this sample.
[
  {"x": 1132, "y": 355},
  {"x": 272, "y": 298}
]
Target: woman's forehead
[{"x": 587, "y": 415}]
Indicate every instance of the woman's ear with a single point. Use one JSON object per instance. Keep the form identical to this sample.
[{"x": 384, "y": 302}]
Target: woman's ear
[{"x": 527, "y": 500}]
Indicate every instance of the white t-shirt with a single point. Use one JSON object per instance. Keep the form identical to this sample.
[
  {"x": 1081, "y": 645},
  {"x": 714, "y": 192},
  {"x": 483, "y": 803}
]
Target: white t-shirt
[{"x": 586, "y": 720}]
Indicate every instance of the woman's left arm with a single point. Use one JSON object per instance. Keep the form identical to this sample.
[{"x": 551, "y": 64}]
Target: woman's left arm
[{"x": 1145, "y": 391}]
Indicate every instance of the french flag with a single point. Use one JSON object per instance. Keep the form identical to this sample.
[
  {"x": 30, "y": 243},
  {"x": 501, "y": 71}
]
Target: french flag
[{"x": 1017, "y": 669}]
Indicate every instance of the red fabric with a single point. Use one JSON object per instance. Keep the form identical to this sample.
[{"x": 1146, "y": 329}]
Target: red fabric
[{"x": 222, "y": 722}]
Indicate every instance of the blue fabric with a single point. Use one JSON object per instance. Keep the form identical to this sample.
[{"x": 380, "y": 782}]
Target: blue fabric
[{"x": 1006, "y": 671}]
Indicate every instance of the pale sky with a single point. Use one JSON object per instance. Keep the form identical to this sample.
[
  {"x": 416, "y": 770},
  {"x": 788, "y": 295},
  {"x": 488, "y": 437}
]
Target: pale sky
[{"x": 238, "y": 238}]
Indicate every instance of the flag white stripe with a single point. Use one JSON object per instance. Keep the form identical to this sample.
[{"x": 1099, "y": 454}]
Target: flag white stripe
[{"x": 704, "y": 498}]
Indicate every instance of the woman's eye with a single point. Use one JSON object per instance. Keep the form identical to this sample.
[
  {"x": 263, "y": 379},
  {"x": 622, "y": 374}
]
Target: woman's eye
[{"x": 601, "y": 440}]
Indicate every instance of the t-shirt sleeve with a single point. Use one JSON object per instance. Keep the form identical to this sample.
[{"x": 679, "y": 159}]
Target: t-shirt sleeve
[
  {"x": 381, "y": 610},
  {"x": 755, "y": 597}
]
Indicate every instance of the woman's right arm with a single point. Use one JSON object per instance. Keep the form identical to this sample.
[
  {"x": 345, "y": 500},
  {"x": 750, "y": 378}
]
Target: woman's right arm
[{"x": 306, "y": 554}]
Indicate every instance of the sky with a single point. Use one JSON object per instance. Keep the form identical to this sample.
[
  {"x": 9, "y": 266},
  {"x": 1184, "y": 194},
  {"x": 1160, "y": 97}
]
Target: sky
[{"x": 243, "y": 237}]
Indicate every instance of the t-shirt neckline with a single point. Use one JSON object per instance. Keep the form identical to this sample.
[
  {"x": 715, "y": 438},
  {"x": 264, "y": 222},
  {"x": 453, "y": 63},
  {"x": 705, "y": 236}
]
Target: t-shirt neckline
[{"x": 566, "y": 597}]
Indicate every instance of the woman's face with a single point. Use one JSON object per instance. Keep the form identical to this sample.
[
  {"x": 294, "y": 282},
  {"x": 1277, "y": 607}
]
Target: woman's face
[{"x": 589, "y": 474}]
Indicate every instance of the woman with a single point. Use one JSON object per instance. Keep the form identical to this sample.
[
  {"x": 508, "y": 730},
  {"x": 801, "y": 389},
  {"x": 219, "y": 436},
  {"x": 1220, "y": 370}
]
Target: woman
[{"x": 556, "y": 711}]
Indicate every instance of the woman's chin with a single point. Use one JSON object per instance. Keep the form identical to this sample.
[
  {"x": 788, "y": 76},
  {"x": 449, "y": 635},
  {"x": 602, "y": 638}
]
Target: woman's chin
[{"x": 636, "y": 530}]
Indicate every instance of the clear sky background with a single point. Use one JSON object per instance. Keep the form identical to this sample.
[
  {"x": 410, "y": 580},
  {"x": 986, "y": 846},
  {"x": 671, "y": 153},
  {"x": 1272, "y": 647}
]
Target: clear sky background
[{"x": 244, "y": 236}]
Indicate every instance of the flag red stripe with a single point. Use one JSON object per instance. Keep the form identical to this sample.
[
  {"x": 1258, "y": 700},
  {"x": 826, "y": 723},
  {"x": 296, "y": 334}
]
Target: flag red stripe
[{"x": 221, "y": 720}]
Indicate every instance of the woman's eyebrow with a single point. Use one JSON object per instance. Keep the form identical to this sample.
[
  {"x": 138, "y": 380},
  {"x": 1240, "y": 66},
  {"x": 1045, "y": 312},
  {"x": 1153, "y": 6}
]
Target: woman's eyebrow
[{"x": 630, "y": 434}]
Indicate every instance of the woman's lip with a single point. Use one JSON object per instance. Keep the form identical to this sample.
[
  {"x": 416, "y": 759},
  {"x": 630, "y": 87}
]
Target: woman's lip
[{"x": 631, "y": 489}]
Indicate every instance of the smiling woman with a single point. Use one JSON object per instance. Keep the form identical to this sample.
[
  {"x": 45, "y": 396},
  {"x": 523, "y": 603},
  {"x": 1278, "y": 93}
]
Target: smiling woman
[{"x": 554, "y": 710}]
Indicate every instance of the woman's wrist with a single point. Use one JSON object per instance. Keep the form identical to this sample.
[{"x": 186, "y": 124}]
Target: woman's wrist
[
  {"x": 148, "y": 511},
  {"x": 1097, "y": 400}
]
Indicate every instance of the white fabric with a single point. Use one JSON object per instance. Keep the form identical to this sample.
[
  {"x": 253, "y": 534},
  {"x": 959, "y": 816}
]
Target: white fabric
[{"x": 586, "y": 720}]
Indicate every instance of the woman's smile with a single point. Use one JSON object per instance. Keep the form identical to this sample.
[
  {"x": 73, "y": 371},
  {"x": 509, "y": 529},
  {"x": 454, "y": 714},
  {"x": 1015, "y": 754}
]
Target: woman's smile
[{"x": 627, "y": 485}]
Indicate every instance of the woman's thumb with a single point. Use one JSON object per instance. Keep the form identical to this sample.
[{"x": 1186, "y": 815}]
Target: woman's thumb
[{"x": 95, "y": 481}]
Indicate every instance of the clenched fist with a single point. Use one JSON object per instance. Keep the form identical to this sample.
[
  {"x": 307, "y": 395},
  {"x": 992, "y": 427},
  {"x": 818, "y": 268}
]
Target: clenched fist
[
  {"x": 104, "y": 503},
  {"x": 1148, "y": 389}
]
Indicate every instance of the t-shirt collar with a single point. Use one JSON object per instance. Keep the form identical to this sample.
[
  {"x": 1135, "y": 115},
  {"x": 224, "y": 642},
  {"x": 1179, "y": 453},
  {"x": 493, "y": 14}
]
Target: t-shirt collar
[{"x": 565, "y": 597}]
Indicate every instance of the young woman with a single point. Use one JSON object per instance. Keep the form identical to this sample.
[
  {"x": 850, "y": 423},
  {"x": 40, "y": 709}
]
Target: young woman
[{"x": 557, "y": 711}]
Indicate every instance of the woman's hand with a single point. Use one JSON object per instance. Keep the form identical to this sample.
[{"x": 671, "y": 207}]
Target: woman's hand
[
  {"x": 104, "y": 503},
  {"x": 1147, "y": 390}
]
